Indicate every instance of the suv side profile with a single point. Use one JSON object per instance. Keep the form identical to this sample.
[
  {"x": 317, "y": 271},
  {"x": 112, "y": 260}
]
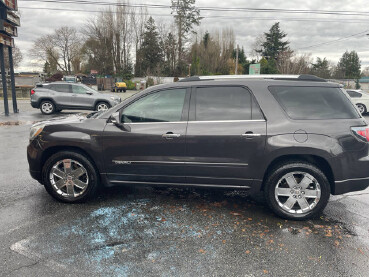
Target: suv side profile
[
  {"x": 54, "y": 97},
  {"x": 296, "y": 138}
]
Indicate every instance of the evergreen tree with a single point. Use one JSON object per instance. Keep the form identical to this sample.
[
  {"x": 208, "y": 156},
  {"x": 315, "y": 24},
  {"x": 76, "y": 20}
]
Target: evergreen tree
[
  {"x": 349, "y": 66},
  {"x": 321, "y": 68},
  {"x": 150, "y": 53},
  {"x": 274, "y": 44}
]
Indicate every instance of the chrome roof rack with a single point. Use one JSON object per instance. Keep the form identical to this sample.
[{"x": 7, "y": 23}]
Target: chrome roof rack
[{"x": 270, "y": 76}]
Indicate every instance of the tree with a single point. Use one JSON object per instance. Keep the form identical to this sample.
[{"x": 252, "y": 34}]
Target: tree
[
  {"x": 186, "y": 16},
  {"x": 62, "y": 48},
  {"x": 274, "y": 44},
  {"x": 321, "y": 68},
  {"x": 150, "y": 53},
  {"x": 349, "y": 66}
]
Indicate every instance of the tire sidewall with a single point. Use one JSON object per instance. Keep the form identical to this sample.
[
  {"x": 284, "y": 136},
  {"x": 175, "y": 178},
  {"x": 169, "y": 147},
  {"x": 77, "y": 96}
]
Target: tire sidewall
[
  {"x": 52, "y": 104},
  {"x": 279, "y": 172},
  {"x": 91, "y": 171},
  {"x": 365, "y": 110}
]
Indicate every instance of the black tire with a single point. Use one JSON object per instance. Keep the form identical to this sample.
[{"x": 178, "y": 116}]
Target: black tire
[
  {"x": 124, "y": 90},
  {"x": 101, "y": 103},
  {"x": 280, "y": 171},
  {"x": 93, "y": 178},
  {"x": 47, "y": 107}
]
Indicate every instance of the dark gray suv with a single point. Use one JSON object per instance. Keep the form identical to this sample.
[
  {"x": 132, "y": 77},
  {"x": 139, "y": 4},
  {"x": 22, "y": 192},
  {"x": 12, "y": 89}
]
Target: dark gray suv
[
  {"x": 54, "y": 97},
  {"x": 296, "y": 138}
]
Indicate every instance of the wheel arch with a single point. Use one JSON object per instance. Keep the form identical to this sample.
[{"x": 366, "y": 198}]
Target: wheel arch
[{"x": 318, "y": 161}]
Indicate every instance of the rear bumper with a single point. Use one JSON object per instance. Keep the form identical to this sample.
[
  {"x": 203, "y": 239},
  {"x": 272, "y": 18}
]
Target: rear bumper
[
  {"x": 350, "y": 185},
  {"x": 35, "y": 104}
]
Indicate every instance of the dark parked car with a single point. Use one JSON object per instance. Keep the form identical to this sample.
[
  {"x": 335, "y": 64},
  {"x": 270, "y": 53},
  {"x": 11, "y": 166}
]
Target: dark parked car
[
  {"x": 54, "y": 97},
  {"x": 296, "y": 138}
]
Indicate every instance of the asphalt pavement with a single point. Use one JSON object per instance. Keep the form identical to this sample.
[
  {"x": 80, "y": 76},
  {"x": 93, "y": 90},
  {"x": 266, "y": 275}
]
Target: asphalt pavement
[{"x": 141, "y": 231}]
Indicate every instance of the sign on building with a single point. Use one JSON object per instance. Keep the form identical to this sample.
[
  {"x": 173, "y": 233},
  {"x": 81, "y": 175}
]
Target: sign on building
[{"x": 254, "y": 69}]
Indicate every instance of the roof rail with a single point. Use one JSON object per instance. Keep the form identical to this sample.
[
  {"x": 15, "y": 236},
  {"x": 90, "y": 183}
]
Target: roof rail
[{"x": 303, "y": 77}]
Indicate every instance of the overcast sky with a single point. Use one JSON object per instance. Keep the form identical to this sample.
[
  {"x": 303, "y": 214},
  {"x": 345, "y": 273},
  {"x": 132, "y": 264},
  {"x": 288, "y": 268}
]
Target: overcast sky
[{"x": 246, "y": 25}]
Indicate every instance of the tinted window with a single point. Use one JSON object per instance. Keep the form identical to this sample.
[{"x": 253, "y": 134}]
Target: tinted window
[
  {"x": 225, "y": 103},
  {"x": 60, "y": 87},
  {"x": 354, "y": 94},
  {"x": 314, "y": 102},
  {"x": 79, "y": 89},
  {"x": 162, "y": 106}
]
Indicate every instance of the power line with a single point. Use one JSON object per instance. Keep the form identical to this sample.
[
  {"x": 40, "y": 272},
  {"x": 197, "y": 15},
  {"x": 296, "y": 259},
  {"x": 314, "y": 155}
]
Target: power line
[
  {"x": 333, "y": 41},
  {"x": 347, "y": 20},
  {"x": 237, "y": 9}
]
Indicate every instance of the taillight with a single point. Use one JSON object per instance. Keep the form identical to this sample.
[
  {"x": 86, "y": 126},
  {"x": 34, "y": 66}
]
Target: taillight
[
  {"x": 362, "y": 132},
  {"x": 32, "y": 92}
]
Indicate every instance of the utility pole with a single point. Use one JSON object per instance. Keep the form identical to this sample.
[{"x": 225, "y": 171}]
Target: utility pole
[{"x": 236, "y": 69}]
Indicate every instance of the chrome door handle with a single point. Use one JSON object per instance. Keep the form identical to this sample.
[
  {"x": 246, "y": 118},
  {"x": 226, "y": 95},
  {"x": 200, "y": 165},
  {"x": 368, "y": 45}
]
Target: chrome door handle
[
  {"x": 170, "y": 135},
  {"x": 250, "y": 135}
]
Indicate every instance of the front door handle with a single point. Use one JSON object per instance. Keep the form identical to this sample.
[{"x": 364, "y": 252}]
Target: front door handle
[
  {"x": 171, "y": 135},
  {"x": 250, "y": 134}
]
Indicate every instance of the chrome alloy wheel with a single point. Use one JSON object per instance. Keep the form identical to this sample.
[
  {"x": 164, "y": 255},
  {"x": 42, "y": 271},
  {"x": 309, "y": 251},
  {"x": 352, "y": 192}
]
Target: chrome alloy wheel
[
  {"x": 47, "y": 107},
  {"x": 102, "y": 107},
  {"x": 297, "y": 192},
  {"x": 69, "y": 178}
]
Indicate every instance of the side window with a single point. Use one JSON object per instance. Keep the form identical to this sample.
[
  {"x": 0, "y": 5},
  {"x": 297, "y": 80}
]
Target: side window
[
  {"x": 162, "y": 106},
  {"x": 225, "y": 103},
  {"x": 78, "y": 89},
  {"x": 61, "y": 87},
  {"x": 353, "y": 94}
]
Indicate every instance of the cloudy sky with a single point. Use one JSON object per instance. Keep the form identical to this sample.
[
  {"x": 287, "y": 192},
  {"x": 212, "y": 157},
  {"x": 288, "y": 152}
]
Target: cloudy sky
[{"x": 324, "y": 35}]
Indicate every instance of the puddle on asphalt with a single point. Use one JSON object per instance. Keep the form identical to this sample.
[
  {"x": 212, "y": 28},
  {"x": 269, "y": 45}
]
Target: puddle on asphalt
[{"x": 140, "y": 233}]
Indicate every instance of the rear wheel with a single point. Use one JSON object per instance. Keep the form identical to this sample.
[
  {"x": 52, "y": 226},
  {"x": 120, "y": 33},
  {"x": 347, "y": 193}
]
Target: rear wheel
[
  {"x": 70, "y": 177},
  {"x": 102, "y": 106},
  {"x": 361, "y": 108},
  {"x": 124, "y": 90},
  {"x": 297, "y": 190},
  {"x": 47, "y": 107}
]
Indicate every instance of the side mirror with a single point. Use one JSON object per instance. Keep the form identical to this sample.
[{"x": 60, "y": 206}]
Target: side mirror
[
  {"x": 89, "y": 93},
  {"x": 115, "y": 118}
]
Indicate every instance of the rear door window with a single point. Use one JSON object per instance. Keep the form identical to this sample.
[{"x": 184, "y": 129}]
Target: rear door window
[
  {"x": 225, "y": 103},
  {"x": 354, "y": 94},
  {"x": 61, "y": 87},
  {"x": 314, "y": 102}
]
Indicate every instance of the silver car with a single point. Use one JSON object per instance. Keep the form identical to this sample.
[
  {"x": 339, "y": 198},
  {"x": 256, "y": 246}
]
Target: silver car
[{"x": 54, "y": 97}]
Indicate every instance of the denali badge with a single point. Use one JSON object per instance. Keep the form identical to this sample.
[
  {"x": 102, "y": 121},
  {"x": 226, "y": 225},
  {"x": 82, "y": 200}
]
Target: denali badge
[{"x": 121, "y": 162}]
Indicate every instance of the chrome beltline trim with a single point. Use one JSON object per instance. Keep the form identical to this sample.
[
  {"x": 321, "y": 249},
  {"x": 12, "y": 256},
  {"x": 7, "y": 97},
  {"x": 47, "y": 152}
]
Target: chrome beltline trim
[
  {"x": 179, "y": 122},
  {"x": 183, "y": 163}
]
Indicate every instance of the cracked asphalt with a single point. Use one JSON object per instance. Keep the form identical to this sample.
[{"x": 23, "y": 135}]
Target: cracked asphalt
[{"x": 141, "y": 231}]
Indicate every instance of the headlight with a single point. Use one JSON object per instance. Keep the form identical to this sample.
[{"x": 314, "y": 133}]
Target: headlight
[{"x": 35, "y": 131}]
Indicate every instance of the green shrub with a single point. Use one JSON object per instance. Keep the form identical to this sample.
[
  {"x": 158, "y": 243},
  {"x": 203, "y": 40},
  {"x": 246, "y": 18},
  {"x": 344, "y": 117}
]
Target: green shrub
[{"x": 130, "y": 85}]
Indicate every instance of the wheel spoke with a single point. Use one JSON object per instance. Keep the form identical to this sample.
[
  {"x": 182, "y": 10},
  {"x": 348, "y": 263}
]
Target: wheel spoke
[
  {"x": 303, "y": 203},
  {"x": 70, "y": 189},
  {"x": 305, "y": 182},
  {"x": 60, "y": 184},
  {"x": 283, "y": 192},
  {"x": 291, "y": 181},
  {"x": 290, "y": 202},
  {"x": 78, "y": 172},
  {"x": 60, "y": 174},
  {"x": 67, "y": 166},
  {"x": 79, "y": 184},
  {"x": 310, "y": 193}
]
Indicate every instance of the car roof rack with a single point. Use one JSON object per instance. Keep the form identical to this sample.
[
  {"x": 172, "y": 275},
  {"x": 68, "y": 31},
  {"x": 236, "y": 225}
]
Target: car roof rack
[{"x": 304, "y": 77}]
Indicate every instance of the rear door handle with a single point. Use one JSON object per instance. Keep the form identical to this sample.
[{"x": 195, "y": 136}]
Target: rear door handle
[
  {"x": 171, "y": 135},
  {"x": 250, "y": 135}
]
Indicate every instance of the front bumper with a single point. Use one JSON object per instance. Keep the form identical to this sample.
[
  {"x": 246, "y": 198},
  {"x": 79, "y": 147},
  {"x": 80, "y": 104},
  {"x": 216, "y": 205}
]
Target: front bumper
[{"x": 34, "y": 160}]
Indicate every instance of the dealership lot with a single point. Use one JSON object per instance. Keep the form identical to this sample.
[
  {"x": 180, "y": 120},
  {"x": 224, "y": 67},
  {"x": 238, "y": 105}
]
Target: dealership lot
[{"x": 185, "y": 232}]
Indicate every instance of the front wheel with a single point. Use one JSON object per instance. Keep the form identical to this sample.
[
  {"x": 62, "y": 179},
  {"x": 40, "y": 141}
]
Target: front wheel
[
  {"x": 297, "y": 190},
  {"x": 69, "y": 177},
  {"x": 124, "y": 90},
  {"x": 361, "y": 108}
]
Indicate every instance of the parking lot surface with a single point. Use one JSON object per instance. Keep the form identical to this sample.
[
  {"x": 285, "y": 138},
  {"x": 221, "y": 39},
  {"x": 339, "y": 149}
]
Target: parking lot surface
[{"x": 142, "y": 231}]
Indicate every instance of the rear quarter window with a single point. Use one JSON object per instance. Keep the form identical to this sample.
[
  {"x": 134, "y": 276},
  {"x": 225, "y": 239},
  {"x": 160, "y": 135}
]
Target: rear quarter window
[{"x": 314, "y": 102}]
